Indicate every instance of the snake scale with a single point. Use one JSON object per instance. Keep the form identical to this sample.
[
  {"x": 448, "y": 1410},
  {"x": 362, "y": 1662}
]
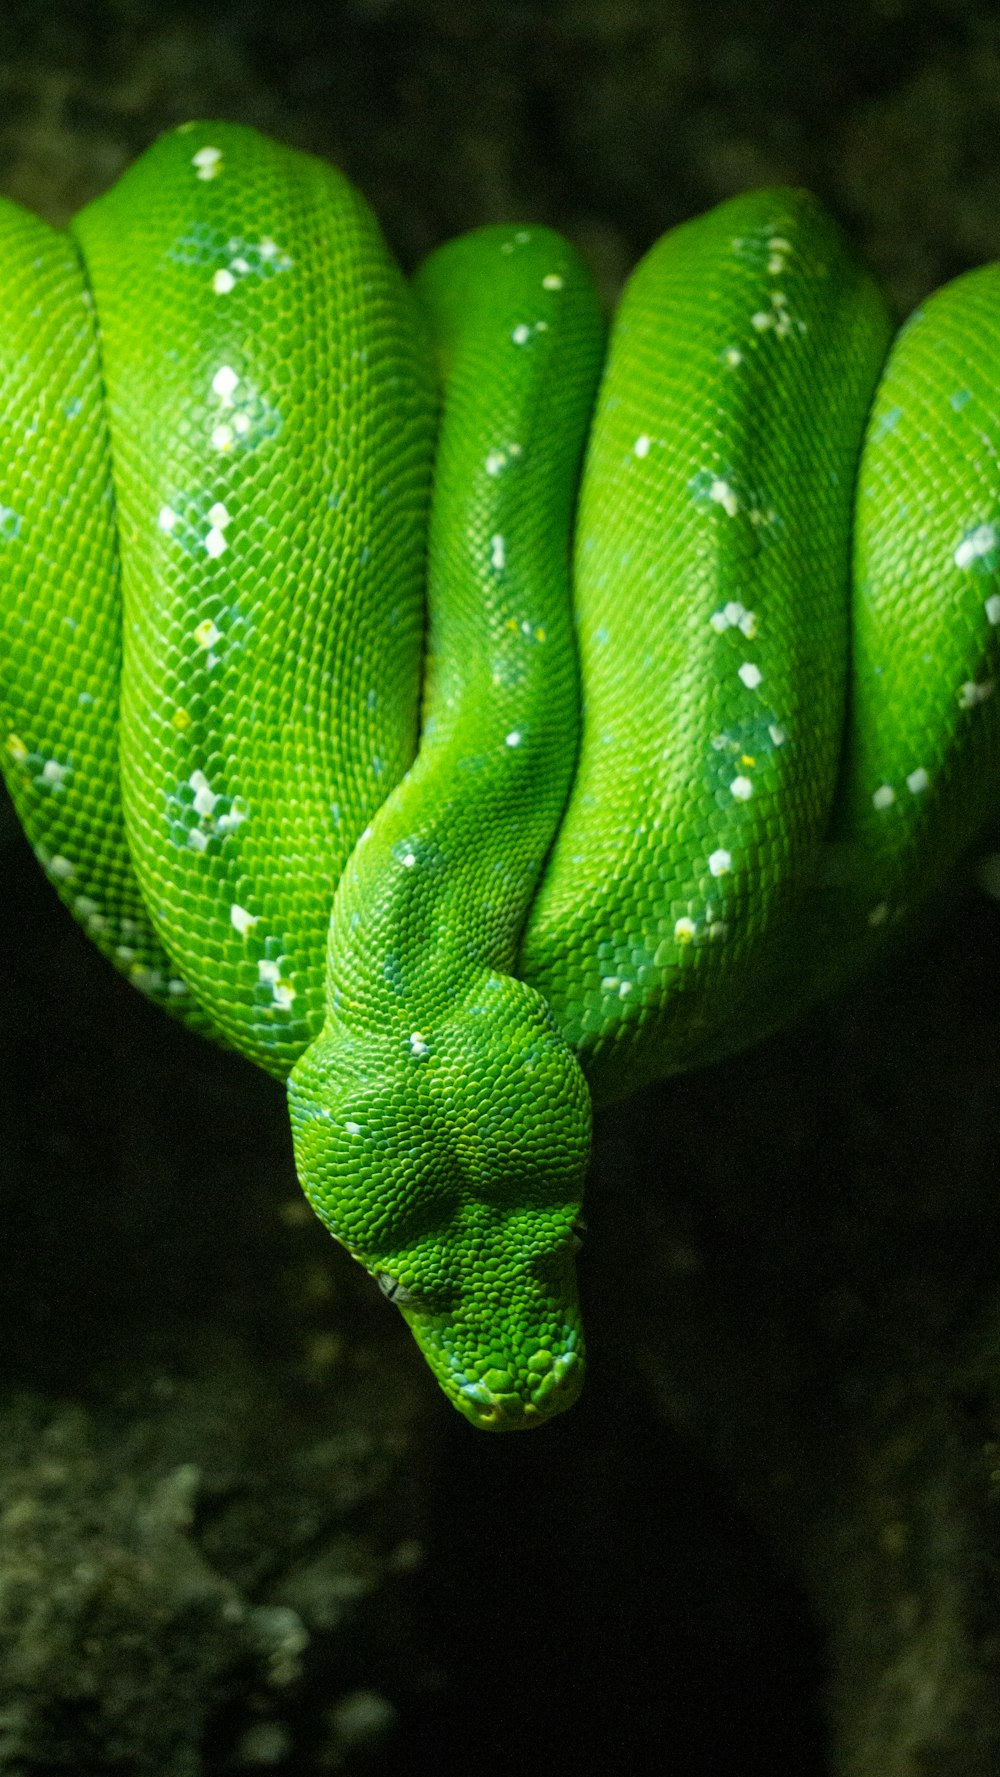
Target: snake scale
[{"x": 468, "y": 768}]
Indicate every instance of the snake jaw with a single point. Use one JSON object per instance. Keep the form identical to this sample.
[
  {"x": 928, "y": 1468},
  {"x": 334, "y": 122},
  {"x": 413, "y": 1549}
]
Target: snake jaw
[
  {"x": 504, "y": 1391},
  {"x": 509, "y": 1355}
]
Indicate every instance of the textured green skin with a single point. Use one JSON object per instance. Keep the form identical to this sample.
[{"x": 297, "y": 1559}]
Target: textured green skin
[{"x": 609, "y": 860}]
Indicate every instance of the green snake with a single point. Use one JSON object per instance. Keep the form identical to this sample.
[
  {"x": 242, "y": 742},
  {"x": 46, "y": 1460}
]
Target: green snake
[{"x": 469, "y": 768}]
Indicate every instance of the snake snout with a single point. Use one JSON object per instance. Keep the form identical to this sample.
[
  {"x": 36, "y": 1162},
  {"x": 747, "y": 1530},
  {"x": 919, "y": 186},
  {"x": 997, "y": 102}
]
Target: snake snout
[
  {"x": 494, "y": 1403},
  {"x": 499, "y": 1386}
]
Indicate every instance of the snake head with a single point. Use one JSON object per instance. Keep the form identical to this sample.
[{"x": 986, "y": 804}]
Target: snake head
[{"x": 452, "y": 1169}]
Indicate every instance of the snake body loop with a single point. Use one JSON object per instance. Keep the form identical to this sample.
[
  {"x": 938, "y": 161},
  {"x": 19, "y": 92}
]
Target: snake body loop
[{"x": 668, "y": 753}]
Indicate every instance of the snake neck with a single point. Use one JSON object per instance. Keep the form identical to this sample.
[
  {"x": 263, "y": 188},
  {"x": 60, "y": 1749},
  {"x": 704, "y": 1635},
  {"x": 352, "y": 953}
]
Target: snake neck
[{"x": 436, "y": 894}]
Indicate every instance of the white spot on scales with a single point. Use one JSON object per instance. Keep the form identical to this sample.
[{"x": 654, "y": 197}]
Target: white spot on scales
[
  {"x": 523, "y": 331},
  {"x": 970, "y": 694},
  {"x": 224, "y": 384},
  {"x": 205, "y": 798},
  {"x": 500, "y": 458},
  {"x": 207, "y": 162},
  {"x": 723, "y": 495},
  {"x": 733, "y": 615},
  {"x": 978, "y": 543},
  {"x": 270, "y": 973}
]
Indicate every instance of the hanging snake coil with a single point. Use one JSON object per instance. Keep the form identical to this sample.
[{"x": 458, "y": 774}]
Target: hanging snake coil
[{"x": 468, "y": 768}]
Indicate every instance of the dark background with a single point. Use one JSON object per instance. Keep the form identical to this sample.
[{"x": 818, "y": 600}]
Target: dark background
[{"x": 239, "y": 1530}]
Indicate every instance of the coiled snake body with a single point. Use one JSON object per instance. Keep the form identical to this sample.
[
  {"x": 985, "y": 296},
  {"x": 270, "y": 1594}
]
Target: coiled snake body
[{"x": 654, "y": 770}]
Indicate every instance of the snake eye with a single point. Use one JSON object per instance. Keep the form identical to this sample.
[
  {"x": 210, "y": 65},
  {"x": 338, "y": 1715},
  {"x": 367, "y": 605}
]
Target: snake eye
[{"x": 394, "y": 1291}]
